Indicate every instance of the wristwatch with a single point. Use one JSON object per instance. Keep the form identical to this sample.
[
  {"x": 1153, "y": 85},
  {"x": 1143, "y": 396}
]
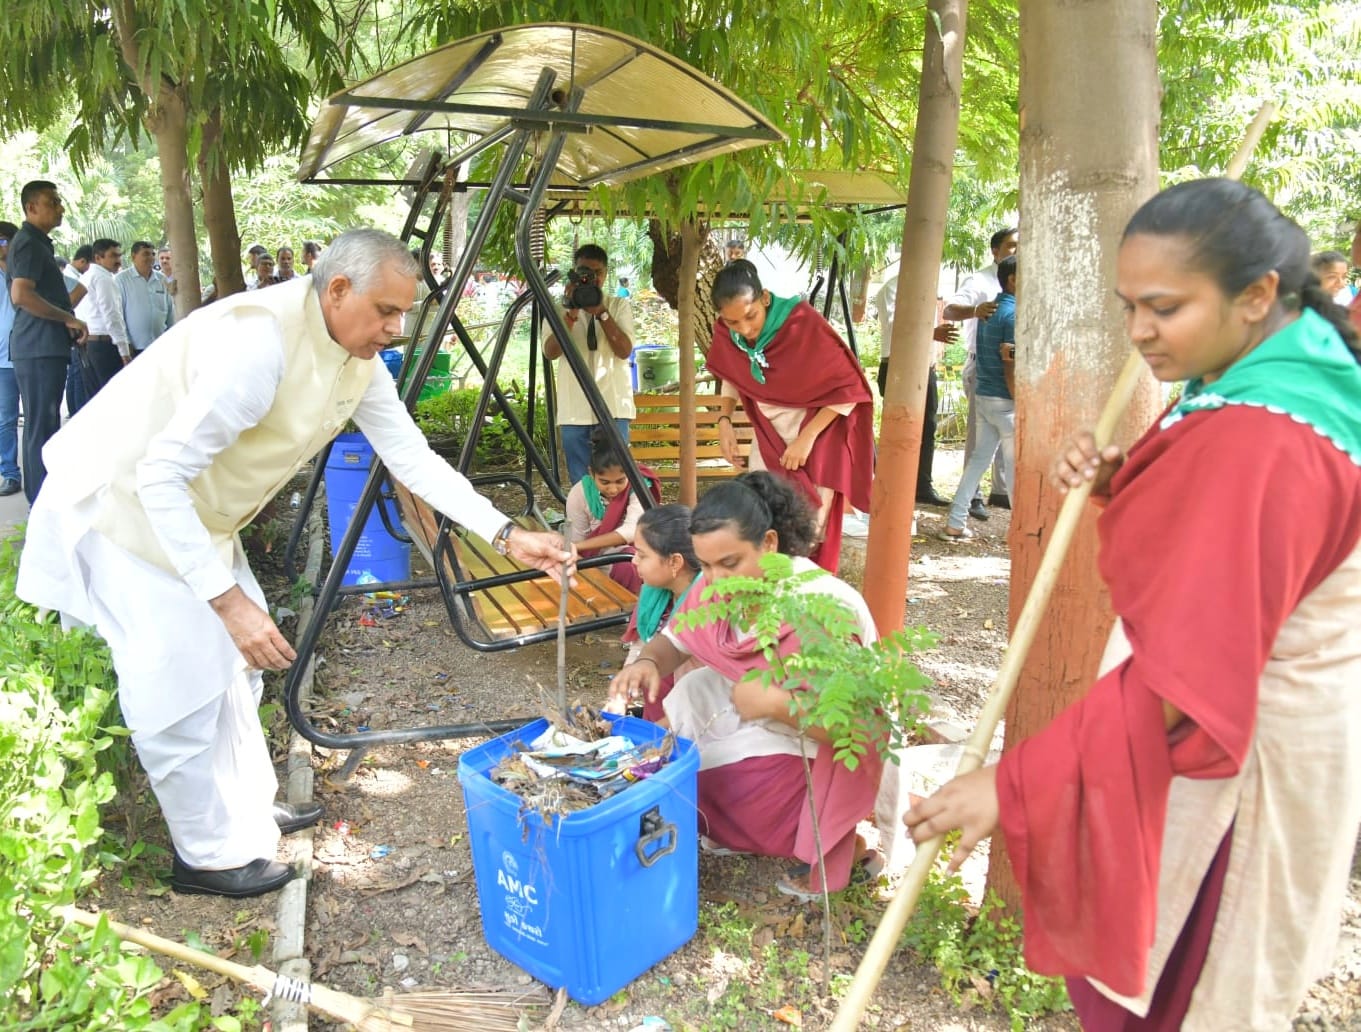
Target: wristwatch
[
  {"x": 604, "y": 316},
  {"x": 501, "y": 540}
]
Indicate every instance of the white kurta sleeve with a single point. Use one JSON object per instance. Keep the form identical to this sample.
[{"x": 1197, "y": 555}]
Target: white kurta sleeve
[
  {"x": 403, "y": 448},
  {"x": 232, "y": 393}
]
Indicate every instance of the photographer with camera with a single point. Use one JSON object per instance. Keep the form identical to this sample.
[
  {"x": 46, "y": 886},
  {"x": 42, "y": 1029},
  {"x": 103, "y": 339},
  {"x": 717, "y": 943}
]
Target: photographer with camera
[{"x": 601, "y": 331}]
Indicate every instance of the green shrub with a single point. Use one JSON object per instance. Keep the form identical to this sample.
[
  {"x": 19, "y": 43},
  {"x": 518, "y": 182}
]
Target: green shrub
[
  {"x": 446, "y": 418},
  {"x": 57, "y": 754}
]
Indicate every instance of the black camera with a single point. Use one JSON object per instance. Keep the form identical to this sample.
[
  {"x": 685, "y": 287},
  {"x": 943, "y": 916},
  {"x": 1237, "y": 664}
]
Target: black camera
[{"x": 582, "y": 290}]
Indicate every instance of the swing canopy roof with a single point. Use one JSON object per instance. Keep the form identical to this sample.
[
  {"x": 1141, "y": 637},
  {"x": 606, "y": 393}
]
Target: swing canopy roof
[
  {"x": 811, "y": 188},
  {"x": 643, "y": 110}
]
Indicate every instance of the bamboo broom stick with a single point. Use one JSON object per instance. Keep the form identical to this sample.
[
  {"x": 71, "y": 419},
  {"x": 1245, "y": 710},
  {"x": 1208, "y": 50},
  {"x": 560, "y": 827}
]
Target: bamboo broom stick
[
  {"x": 895, "y": 918},
  {"x": 362, "y": 1014},
  {"x": 489, "y": 1011}
]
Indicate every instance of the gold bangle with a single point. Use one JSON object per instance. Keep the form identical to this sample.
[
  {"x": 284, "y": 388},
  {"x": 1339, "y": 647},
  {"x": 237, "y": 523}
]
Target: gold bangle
[{"x": 724, "y": 416}]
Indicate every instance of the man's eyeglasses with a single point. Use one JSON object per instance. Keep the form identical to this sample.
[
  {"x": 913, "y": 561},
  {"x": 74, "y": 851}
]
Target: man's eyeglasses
[{"x": 4, "y": 241}]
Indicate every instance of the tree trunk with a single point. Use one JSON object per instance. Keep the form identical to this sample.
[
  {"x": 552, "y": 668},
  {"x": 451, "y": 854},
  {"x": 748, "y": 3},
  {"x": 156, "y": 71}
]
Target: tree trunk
[
  {"x": 667, "y": 256},
  {"x": 168, "y": 121},
  {"x": 692, "y": 237},
  {"x": 1089, "y": 157},
  {"x": 928, "y": 196},
  {"x": 219, "y": 214}
]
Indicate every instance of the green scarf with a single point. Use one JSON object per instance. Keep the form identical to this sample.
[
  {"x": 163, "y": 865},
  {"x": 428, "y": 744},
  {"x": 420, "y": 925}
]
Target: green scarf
[
  {"x": 652, "y": 603},
  {"x": 594, "y": 503},
  {"x": 776, "y": 314},
  {"x": 1304, "y": 370}
]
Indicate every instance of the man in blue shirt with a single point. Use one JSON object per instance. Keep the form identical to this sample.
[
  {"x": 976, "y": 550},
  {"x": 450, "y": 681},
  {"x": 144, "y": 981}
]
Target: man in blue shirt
[
  {"x": 147, "y": 309},
  {"x": 44, "y": 325},
  {"x": 996, "y": 411},
  {"x": 9, "y": 388}
]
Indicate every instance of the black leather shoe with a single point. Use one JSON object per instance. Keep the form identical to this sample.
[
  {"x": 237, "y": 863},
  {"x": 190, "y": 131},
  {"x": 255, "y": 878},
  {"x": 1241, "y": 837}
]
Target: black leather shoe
[
  {"x": 931, "y": 498},
  {"x": 10, "y": 487},
  {"x": 976, "y": 509},
  {"x": 291, "y": 817},
  {"x": 254, "y": 879},
  {"x": 999, "y": 501}
]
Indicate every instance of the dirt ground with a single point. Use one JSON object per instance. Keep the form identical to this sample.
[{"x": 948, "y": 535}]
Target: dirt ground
[{"x": 393, "y": 902}]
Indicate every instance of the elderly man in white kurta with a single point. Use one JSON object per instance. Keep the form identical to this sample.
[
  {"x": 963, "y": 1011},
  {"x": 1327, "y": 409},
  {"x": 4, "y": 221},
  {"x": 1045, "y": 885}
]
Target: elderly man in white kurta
[{"x": 135, "y": 531}]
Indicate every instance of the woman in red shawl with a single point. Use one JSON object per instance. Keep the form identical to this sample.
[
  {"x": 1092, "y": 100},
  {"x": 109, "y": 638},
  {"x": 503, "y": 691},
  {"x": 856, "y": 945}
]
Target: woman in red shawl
[
  {"x": 1183, "y": 834},
  {"x": 753, "y": 797},
  {"x": 809, "y": 403}
]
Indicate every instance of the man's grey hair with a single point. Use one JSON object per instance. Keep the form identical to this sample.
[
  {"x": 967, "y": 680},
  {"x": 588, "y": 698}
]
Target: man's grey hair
[{"x": 359, "y": 255}]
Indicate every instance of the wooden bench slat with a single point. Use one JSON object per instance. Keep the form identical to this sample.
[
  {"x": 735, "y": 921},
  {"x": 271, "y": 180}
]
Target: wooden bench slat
[
  {"x": 655, "y": 434},
  {"x": 512, "y": 610}
]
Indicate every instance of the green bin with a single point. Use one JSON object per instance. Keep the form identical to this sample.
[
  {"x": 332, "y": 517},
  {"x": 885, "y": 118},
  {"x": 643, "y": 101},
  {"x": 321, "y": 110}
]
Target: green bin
[
  {"x": 658, "y": 365},
  {"x": 439, "y": 369}
]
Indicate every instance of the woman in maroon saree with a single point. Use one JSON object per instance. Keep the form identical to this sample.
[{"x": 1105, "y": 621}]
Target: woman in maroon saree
[
  {"x": 603, "y": 511},
  {"x": 753, "y": 795},
  {"x": 809, "y": 403},
  {"x": 1182, "y": 835}
]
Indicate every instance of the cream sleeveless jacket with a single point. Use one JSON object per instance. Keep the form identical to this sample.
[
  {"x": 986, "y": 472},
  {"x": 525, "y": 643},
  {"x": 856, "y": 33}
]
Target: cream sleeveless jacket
[{"x": 321, "y": 387}]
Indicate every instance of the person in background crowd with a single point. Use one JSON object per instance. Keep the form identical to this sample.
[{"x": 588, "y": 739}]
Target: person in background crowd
[
  {"x": 75, "y": 269},
  {"x": 976, "y": 300},
  {"x": 609, "y": 322},
  {"x": 264, "y": 272},
  {"x": 147, "y": 309},
  {"x": 45, "y": 327},
  {"x": 810, "y": 406},
  {"x": 136, "y": 532},
  {"x": 311, "y": 251},
  {"x": 11, "y": 479},
  {"x": 1183, "y": 833},
  {"x": 253, "y": 254},
  {"x": 623, "y": 290},
  {"x": 735, "y": 250},
  {"x": 1331, "y": 269},
  {"x": 107, "y": 348},
  {"x": 996, "y": 350},
  {"x": 166, "y": 267},
  {"x": 283, "y": 271}
]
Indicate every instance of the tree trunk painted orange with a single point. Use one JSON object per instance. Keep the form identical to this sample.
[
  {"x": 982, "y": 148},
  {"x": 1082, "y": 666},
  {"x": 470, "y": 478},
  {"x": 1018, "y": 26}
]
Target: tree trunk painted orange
[
  {"x": 1089, "y": 157},
  {"x": 928, "y": 195}
]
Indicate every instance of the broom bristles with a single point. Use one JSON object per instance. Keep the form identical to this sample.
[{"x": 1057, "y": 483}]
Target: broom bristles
[{"x": 467, "y": 1010}]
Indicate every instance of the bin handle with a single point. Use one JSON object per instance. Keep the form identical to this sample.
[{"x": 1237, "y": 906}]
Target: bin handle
[{"x": 652, "y": 830}]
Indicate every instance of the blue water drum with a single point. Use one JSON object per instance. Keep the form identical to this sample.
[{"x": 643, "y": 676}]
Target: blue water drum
[{"x": 378, "y": 556}]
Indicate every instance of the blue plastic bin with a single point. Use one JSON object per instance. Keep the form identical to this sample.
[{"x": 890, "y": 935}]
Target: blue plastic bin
[
  {"x": 596, "y": 898},
  {"x": 392, "y": 358},
  {"x": 378, "y": 555}
]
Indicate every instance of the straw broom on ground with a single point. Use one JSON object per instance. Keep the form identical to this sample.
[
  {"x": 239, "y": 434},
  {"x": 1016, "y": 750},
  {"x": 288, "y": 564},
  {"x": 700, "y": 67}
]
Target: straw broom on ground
[
  {"x": 895, "y": 919},
  {"x": 437, "y": 1011}
]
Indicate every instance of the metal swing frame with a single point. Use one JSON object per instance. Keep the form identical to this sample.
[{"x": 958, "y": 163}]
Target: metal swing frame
[{"x": 548, "y": 116}]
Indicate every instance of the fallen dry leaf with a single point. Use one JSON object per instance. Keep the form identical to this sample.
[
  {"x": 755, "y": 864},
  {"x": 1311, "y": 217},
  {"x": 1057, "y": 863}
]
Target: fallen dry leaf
[
  {"x": 191, "y": 985},
  {"x": 790, "y": 1015},
  {"x": 408, "y": 939}
]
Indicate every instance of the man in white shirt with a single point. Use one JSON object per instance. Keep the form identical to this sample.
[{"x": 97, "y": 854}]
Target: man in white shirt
[
  {"x": 108, "y": 347},
  {"x": 602, "y": 334},
  {"x": 136, "y": 531},
  {"x": 166, "y": 267},
  {"x": 975, "y": 300},
  {"x": 147, "y": 309}
]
